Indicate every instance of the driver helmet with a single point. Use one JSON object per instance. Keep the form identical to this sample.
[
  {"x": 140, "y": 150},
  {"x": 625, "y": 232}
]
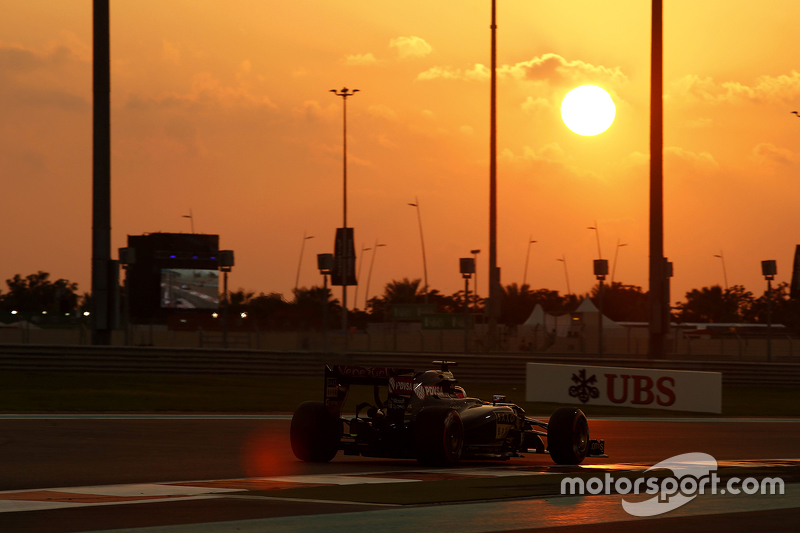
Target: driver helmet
[{"x": 459, "y": 392}]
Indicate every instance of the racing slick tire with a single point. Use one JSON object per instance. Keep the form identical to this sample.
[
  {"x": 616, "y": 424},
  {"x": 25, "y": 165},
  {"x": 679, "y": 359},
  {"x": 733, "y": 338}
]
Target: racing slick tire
[
  {"x": 315, "y": 433},
  {"x": 438, "y": 436},
  {"x": 568, "y": 436}
]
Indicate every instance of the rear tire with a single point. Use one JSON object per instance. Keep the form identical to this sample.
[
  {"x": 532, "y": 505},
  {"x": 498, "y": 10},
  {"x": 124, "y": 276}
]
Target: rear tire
[
  {"x": 438, "y": 436},
  {"x": 315, "y": 433},
  {"x": 568, "y": 436}
]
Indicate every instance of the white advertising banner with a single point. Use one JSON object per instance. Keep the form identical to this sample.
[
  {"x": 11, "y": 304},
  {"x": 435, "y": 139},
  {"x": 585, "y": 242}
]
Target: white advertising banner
[{"x": 675, "y": 390}]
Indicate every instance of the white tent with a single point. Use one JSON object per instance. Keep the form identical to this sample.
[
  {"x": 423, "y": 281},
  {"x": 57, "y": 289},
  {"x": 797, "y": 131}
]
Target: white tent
[
  {"x": 587, "y": 306},
  {"x": 547, "y": 322}
]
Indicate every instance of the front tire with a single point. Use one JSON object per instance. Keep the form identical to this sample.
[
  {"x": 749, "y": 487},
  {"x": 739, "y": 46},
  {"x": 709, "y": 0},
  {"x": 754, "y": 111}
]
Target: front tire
[
  {"x": 438, "y": 436},
  {"x": 568, "y": 436},
  {"x": 315, "y": 433}
]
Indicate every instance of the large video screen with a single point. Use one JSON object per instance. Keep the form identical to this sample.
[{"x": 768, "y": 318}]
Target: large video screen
[{"x": 189, "y": 288}]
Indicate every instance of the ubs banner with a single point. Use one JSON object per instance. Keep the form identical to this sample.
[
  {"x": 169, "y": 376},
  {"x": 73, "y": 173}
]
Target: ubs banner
[{"x": 627, "y": 387}]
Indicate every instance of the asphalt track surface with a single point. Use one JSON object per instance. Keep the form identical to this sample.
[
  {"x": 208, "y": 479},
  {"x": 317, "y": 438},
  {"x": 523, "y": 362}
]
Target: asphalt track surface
[{"x": 48, "y": 452}]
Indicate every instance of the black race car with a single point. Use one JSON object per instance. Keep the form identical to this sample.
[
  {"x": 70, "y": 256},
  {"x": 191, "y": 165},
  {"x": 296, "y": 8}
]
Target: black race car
[{"x": 427, "y": 416}]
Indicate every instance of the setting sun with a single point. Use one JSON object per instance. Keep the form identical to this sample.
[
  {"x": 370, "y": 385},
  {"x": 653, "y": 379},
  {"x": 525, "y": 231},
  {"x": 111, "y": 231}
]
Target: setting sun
[{"x": 588, "y": 110}]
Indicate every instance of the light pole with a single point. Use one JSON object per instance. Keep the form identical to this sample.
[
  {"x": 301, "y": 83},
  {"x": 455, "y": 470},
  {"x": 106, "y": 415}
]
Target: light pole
[
  {"x": 614, "y": 268},
  {"x": 525, "y": 275},
  {"x": 103, "y": 268},
  {"x": 769, "y": 269},
  {"x": 724, "y": 272},
  {"x": 467, "y": 267},
  {"x": 226, "y": 263},
  {"x": 494, "y": 272},
  {"x": 190, "y": 217},
  {"x": 475, "y": 284},
  {"x": 601, "y": 271},
  {"x": 325, "y": 265},
  {"x": 658, "y": 322},
  {"x": 422, "y": 240},
  {"x": 566, "y": 275},
  {"x": 596, "y": 229},
  {"x": 369, "y": 276},
  {"x": 358, "y": 275},
  {"x": 344, "y": 93},
  {"x": 302, "y": 247}
]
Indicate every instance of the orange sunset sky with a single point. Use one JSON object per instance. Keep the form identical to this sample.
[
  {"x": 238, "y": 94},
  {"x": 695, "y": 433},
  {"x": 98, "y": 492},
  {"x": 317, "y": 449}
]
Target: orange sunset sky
[{"x": 222, "y": 107}]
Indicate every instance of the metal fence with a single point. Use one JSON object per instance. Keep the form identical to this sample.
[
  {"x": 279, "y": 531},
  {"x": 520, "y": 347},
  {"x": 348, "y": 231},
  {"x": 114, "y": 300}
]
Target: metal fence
[{"x": 476, "y": 368}]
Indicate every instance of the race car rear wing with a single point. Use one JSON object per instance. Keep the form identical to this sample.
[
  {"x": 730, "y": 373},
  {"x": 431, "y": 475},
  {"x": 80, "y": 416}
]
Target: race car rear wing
[{"x": 338, "y": 379}]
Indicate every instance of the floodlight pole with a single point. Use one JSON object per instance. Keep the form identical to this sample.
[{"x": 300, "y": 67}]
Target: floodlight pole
[
  {"x": 226, "y": 303},
  {"x": 358, "y": 275},
  {"x": 102, "y": 303},
  {"x": 769, "y": 319},
  {"x": 475, "y": 283},
  {"x": 422, "y": 240},
  {"x": 344, "y": 93},
  {"x": 300, "y": 262},
  {"x": 658, "y": 316},
  {"x": 494, "y": 274},
  {"x": 527, "y": 257}
]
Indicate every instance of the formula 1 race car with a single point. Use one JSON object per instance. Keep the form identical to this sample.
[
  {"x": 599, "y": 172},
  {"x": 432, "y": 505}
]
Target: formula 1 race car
[{"x": 428, "y": 416}]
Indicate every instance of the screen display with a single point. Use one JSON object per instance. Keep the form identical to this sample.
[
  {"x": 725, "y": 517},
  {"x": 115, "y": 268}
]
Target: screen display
[{"x": 189, "y": 288}]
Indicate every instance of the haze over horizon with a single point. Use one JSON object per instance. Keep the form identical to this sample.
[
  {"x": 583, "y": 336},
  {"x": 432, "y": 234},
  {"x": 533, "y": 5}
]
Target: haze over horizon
[{"x": 223, "y": 108}]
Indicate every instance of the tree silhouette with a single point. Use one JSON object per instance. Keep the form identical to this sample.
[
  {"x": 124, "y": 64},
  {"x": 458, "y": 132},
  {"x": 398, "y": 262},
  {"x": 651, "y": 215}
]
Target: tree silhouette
[
  {"x": 404, "y": 291},
  {"x": 715, "y": 305},
  {"x": 308, "y": 305},
  {"x": 516, "y": 304},
  {"x": 239, "y": 301},
  {"x": 36, "y": 293},
  {"x": 784, "y": 310},
  {"x": 623, "y": 303},
  {"x": 395, "y": 292}
]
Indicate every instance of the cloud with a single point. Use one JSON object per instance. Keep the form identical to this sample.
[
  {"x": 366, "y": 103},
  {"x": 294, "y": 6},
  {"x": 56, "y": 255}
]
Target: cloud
[
  {"x": 447, "y": 73},
  {"x": 53, "y": 99},
  {"x": 703, "y": 161},
  {"x": 14, "y": 58},
  {"x": 312, "y": 111},
  {"x": 772, "y": 156},
  {"x": 553, "y": 68},
  {"x": 206, "y": 90},
  {"x": 532, "y": 105},
  {"x": 783, "y": 88},
  {"x": 170, "y": 53},
  {"x": 550, "y": 152},
  {"x": 676, "y": 161},
  {"x": 411, "y": 46},
  {"x": 384, "y": 141},
  {"x": 699, "y": 123},
  {"x": 478, "y": 72},
  {"x": 635, "y": 159},
  {"x": 182, "y": 130},
  {"x": 382, "y": 111},
  {"x": 360, "y": 60},
  {"x": 43, "y": 79},
  {"x": 549, "y": 67},
  {"x": 23, "y": 163}
]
